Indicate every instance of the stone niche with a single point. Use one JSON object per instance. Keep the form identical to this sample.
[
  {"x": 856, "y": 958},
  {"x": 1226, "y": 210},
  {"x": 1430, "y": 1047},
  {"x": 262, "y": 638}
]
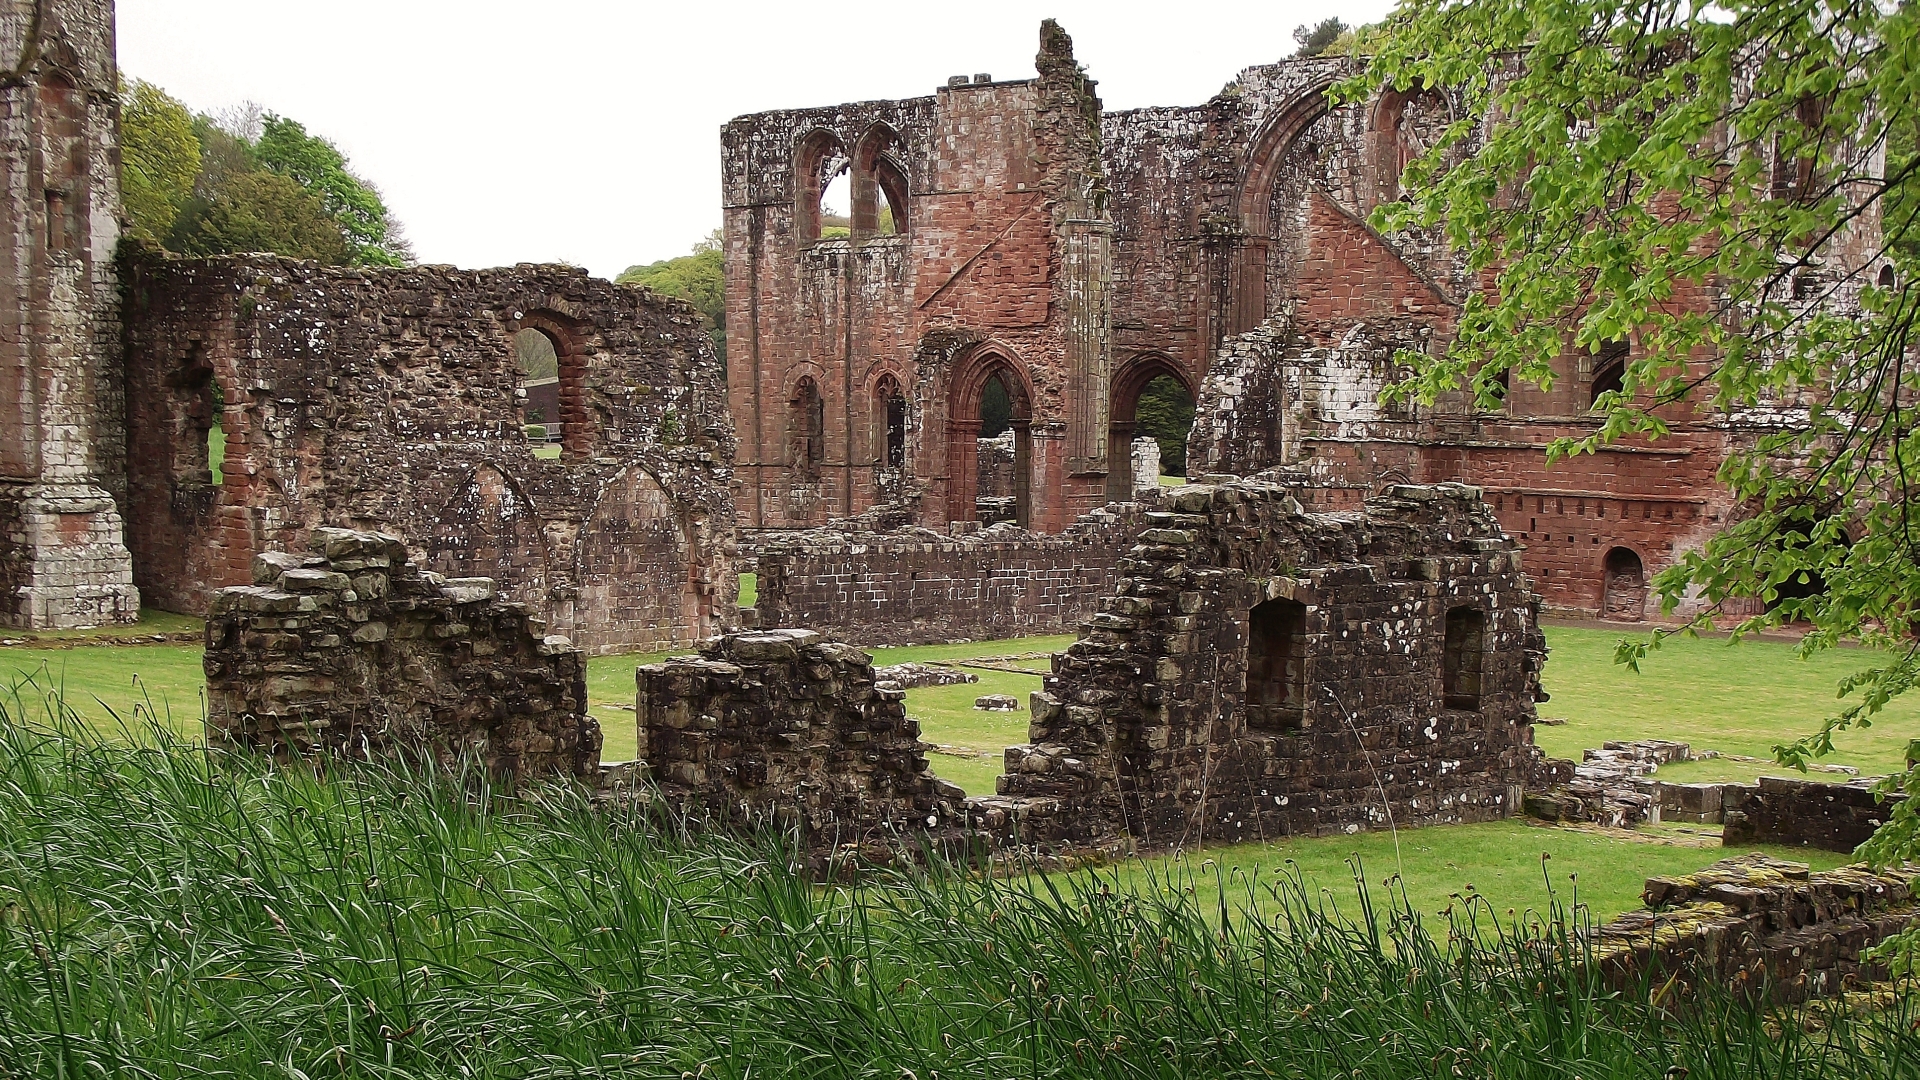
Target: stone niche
[
  {"x": 351, "y": 651},
  {"x": 780, "y": 728},
  {"x": 1266, "y": 672}
]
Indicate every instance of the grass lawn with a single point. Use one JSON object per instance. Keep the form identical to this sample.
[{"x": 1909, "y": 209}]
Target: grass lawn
[
  {"x": 749, "y": 590},
  {"x": 1741, "y": 699}
]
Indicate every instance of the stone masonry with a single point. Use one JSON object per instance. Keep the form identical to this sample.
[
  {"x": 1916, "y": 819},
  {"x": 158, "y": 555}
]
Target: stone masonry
[
  {"x": 63, "y": 558},
  {"x": 388, "y": 400},
  {"x": 1767, "y": 929},
  {"x": 353, "y": 651},
  {"x": 780, "y": 728},
  {"x": 1264, "y": 672}
]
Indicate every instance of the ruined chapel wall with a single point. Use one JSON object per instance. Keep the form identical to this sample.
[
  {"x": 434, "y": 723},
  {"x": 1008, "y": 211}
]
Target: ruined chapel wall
[
  {"x": 385, "y": 399},
  {"x": 1146, "y": 727}
]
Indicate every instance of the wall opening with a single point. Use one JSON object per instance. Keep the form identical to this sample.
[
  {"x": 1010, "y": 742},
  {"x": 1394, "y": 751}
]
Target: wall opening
[
  {"x": 1462, "y": 657},
  {"x": 1277, "y": 665},
  {"x": 1150, "y": 397},
  {"x": 1625, "y": 599},
  {"x": 820, "y": 162},
  {"x": 987, "y": 397},
  {"x": 195, "y": 401},
  {"x": 1609, "y": 371},
  {"x": 63, "y": 128},
  {"x": 890, "y": 423},
  {"x": 878, "y": 193},
  {"x": 538, "y": 363},
  {"x": 1886, "y": 276},
  {"x": 806, "y": 425}
]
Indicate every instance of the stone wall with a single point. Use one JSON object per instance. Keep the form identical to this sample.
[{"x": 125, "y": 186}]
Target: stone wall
[
  {"x": 1263, "y": 671},
  {"x": 387, "y": 400},
  {"x": 781, "y": 728},
  {"x": 916, "y": 586},
  {"x": 1767, "y": 929},
  {"x": 63, "y": 555},
  {"x": 354, "y": 651},
  {"x": 1803, "y": 813}
]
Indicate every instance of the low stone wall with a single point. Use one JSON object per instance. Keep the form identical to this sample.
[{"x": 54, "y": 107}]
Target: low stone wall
[
  {"x": 915, "y": 586},
  {"x": 351, "y": 651},
  {"x": 785, "y": 729},
  {"x": 1802, "y": 813},
  {"x": 1765, "y": 928}
]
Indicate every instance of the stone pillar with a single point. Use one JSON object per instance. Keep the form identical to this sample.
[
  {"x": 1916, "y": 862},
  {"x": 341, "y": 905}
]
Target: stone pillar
[
  {"x": 1146, "y": 464},
  {"x": 63, "y": 554}
]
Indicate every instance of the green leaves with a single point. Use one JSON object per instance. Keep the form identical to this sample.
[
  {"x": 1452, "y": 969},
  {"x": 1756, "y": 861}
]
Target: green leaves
[
  {"x": 1711, "y": 183},
  {"x": 159, "y": 158}
]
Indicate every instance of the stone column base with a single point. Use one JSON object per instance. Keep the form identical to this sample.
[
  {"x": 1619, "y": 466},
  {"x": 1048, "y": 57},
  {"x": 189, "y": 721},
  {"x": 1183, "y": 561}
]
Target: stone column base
[{"x": 64, "y": 562}]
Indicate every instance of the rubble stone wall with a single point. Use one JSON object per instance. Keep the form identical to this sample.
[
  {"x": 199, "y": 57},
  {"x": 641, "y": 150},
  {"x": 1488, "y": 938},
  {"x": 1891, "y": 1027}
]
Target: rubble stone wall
[
  {"x": 1263, "y": 671},
  {"x": 387, "y": 400},
  {"x": 783, "y": 728},
  {"x": 1803, "y": 813},
  {"x": 352, "y": 650},
  {"x": 1765, "y": 928}
]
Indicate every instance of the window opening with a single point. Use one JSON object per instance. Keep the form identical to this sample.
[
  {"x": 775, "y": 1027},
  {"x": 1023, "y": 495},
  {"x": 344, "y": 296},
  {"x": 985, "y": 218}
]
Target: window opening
[
  {"x": 895, "y": 404},
  {"x": 836, "y": 207},
  {"x": 199, "y": 446},
  {"x": 1626, "y": 587},
  {"x": 537, "y": 363},
  {"x": 1886, "y": 276},
  {"x": 807, "y": 424},
  {"x": 1461, "y": 657},
  {"x": 1609, "y": 371},
  {"x": 1277, "y": 665}
]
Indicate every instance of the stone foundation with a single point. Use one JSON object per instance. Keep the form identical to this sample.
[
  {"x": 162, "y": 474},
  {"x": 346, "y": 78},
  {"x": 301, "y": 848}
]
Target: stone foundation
[
  {"x": 1765, "y": 928},
  {"x": 1803, "y": 813},
  {"x": 352, "y": 651},
  {"x": 781, "y": 728}
]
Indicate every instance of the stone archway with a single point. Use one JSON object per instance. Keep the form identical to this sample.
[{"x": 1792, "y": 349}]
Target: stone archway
[
  {"x": 1129, "y": 383},
  {"x": 966, "y": 388}
]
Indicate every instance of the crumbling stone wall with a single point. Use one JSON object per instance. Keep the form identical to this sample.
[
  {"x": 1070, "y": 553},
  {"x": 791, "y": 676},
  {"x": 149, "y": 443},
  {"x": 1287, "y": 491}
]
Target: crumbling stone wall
[
  {"x": 1263, "y": 671},
  {"x": 387, "y": 400},
  {"x": 1803, "y": 813},
  {"x": 63, "y": 556},
  {"x": 782, "y": 728},
  {"x": 353, "y": 650},
  {"x": 1766, "y": 928}
]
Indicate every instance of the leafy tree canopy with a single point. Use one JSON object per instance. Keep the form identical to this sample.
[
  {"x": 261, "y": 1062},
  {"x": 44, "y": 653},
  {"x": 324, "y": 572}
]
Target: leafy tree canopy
[
  {"x": 247, "y": 182},
  {"x": 699, "y": 278},
  {"x": 1166, "y": 413},
  {"x": 159, "y": 159},
  {"x": 1688, "y": 176}
]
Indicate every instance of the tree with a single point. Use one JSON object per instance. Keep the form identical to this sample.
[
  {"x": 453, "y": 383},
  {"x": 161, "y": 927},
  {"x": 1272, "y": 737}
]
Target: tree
[
  {"x": 159, "y": 158},
  {"x": 700, "y": 278},
  {"x": 318, "y": 166},
  {"x": 1314, "y": 40},
  {"x": 259, "y": 211},
  {"x": 1692, "y": 176},
  {"x": 1166, "y": 413}
]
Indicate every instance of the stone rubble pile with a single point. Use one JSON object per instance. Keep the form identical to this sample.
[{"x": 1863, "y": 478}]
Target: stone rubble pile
[{"x": 914, "y": 676}]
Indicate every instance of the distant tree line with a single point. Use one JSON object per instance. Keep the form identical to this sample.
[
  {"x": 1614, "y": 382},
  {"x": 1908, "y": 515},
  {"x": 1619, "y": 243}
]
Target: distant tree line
[{"x": 247, "y": 181}]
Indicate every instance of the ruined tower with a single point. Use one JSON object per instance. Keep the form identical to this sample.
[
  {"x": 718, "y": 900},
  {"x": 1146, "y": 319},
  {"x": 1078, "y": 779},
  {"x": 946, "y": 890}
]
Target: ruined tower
[{"x": 63, "y": 556}]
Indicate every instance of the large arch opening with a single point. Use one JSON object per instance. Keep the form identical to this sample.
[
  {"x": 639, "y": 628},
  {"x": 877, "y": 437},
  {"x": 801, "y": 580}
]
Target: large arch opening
[
  {"x": 550, "y": 367},
  {"x": 1266, "y": 166},
  {"x": 1151, "y": 398},
  {"x": 989, "y": 396},
  {"x": 1625, "y": 592}
]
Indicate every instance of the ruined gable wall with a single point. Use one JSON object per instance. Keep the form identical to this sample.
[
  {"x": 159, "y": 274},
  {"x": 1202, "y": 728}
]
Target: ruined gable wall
[
  {"x": 384, "y": 399},
  {"x": 1145, "y": 730}
]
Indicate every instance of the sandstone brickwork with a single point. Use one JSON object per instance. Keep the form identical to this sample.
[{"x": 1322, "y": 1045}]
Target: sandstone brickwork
[
  {"x": 1766, "y": 928},
  {"x": 1803, "y": 813},
  {"x": 388, "y": 400},
  {"x": 780, "y": 728},
  {"x": 63, "y": 556},
  {"x": 354, "y": 651}
]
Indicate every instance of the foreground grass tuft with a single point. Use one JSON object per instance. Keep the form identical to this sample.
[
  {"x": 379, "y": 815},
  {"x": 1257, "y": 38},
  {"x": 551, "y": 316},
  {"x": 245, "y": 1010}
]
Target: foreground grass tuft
[{"x": 171, "y": 912}]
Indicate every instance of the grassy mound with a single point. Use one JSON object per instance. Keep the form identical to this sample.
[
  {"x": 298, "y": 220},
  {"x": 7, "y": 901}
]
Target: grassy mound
[{"x": 173, "y": 912}]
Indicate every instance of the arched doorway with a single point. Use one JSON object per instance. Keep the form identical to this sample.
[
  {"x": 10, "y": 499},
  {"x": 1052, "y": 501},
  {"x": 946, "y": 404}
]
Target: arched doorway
[
  {"x": 1152, "y": 397},
  {"x": 1625, "y": 597},
  {"x": 980, "y": 383}
]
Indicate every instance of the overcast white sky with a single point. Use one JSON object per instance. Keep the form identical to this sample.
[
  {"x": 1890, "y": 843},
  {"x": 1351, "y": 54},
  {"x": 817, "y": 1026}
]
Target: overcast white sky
[{"x": 589, "y": 130}]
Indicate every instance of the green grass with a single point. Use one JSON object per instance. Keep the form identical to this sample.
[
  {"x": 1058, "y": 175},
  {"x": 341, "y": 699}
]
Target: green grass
[
  {"x": 550, "y": 452},
  {"x": 749, "y": 589},
  {"x": 111, "y": 684},
  {"x": 1741, "y": 699},
  {"x": 170, "y": 913},
  {"x": 1171, "y": 481},
  {"x": 152, "y": 621},
  {"x": 217, "y": 453}
]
